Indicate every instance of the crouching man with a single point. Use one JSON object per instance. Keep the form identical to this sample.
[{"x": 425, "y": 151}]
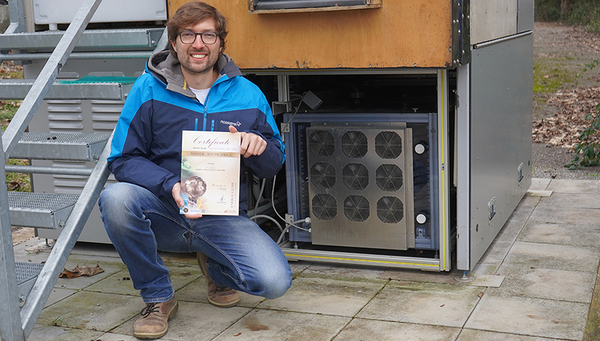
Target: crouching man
[{"x": 191, "y": 86}]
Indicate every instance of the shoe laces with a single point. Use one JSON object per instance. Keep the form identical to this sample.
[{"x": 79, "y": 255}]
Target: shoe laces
[
  {"x": 149, "y": 309},
  {"x": 222, "y": 288}
]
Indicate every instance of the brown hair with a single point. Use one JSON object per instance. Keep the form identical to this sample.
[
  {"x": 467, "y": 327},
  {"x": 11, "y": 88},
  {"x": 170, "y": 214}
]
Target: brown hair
[{"x": 192, "y": 13}]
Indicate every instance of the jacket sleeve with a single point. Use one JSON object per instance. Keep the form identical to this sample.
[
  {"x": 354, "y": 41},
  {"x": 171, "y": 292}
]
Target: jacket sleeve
[
  {"x": 132, "y": 142},
  {"x": 271, "y": 160}
]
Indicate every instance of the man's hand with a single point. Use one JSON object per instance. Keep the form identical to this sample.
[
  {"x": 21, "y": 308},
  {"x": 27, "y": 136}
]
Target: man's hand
[
  {"x": 252, "y": 144},
  {"x": 176, "y": 192}
]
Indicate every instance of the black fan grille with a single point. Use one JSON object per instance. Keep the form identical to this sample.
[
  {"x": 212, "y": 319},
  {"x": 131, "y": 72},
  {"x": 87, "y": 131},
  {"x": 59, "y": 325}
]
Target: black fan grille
[
  {"x": 390, "y": 210},
  {"x": 322, "y": 175},
  {"x": 321, "y": 143},
  {"x": 355, "y": 176},
  {"x": 356, "y": 208},
  {"x": 355, "y": 144},
  {"x": 388, "y": 144},
  {"x": 389, "y": 177},
  {"x": 324, "y": 206}
]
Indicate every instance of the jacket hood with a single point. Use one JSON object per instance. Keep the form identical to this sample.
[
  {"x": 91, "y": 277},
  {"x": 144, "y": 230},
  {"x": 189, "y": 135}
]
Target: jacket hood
[{"x": 165, "y": 67}]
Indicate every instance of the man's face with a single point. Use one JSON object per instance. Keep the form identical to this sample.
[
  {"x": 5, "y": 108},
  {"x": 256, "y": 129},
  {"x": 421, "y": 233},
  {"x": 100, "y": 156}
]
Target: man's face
[{"x": 198, "y": 58}]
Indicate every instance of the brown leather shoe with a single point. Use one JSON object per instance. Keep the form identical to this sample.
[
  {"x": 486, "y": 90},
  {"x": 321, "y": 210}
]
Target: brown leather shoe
[
  {"x": 219, "y": 296},
  {"x": 153, "y": 322}
]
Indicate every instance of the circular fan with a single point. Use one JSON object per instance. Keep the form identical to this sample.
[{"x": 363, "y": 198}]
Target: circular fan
[
  {"x": 388, "y": 177},
  {"x": 388, "y": 144},
  {"x": 324, "y": 206},
  {"x": 356, "y": 208},
  {"x": 322, "y": 175},
  {"x": 321, "y": 143},
  {"x": 354, "y": 144},
  {"x": 355, "y": 176},
  {"x": 390, "y": 210}
]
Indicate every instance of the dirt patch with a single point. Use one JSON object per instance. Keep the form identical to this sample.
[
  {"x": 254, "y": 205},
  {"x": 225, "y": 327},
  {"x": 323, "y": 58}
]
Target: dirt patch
[{"x": 564, "y": 94}]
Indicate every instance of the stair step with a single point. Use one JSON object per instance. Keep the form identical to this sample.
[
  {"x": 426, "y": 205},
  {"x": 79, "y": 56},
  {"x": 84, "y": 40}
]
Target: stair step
[
  {"x": 27, "y": 274},
  {"x": 113, "y": 90},
  {"x": 123, "y": 39},
  {"x": 41, "y": 210},
  {"x": 60, "y": 146}
]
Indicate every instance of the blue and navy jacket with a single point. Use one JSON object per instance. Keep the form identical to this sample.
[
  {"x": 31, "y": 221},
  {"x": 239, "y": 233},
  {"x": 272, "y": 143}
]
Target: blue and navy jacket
[{"x": 146, "y": 147}]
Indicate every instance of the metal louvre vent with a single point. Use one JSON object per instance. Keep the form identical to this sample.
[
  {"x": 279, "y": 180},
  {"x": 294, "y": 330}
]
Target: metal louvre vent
[{"x": 360, "y": 185}]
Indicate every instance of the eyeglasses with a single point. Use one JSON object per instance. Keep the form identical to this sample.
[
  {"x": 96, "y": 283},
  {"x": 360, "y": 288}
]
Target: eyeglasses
[{"x": 189, "y": 37}]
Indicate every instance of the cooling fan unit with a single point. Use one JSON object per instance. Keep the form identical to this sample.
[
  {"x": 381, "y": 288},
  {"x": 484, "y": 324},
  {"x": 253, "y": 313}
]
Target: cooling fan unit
[{"x": 360, "y": 185}]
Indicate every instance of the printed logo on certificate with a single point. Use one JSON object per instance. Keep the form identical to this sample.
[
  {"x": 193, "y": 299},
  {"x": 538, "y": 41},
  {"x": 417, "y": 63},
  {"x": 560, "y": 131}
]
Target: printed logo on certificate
[{"x": 210, "y": 172}]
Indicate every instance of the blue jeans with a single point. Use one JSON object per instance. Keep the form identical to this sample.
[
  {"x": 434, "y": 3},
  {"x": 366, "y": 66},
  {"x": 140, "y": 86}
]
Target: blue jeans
[{"x": 240, "y": 255}]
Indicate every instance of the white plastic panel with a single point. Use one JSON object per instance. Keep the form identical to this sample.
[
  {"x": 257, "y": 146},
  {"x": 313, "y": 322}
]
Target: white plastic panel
[{"x": 63, "y": 11}]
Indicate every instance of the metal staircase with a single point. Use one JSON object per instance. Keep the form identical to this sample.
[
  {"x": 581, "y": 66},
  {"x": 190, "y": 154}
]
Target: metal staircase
[{"x": 25, "y": 287}]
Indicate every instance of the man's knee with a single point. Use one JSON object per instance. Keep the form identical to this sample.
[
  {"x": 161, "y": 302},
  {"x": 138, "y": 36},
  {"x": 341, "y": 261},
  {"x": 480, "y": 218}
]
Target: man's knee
[
  {"x": 117, "y": 202},
  {"x": 275, "y": 284}
]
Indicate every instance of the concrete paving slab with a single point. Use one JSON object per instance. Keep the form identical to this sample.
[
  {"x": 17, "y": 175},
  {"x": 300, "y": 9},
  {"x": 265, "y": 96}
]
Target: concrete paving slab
[
  {"x": 269, "y": 325},
  {"x": 453, "y": 277},
  {"x": 524, "y": 208},
  {"x": 539, "y": 184},
  {"x": 572, "y": 286},
  {"x": 424, "y": 303},
  {"x": 109, "y": 265},
  {"x": 485, "y": 269},
  {"x": 323, "y": 296},
  {"x": 496, "y": 253},
  {"x": 361, "y": 329},
  {"x": 299, "y": 266},
  {"x": 570, "y": 186},
  {"x": 525, "y": 255},
  {"x": 561, "y": 234},
  {"x": 194, "y": 321},
  {"x": 33, "y": 250},
  {"x": 564, "y": 215},
  {"x": 344, "y": 273},
  {"x": 59, "y": 294},
  {"x": 171, "y": 257},
  {"x": 538, "y": 193},
  {"x": 510, "y": 231},
  {"x": 47, "y": 333},
  {"x": 91, "y": 310},
  {"x": 480, "y": 335},
  {"x": 196, "y": 292},
  {"x": 529, "y": 316},
  {"x": 116, "y": 337},
  {"x": 117, "y": 283},
  {"x": 570, "y": 200}
]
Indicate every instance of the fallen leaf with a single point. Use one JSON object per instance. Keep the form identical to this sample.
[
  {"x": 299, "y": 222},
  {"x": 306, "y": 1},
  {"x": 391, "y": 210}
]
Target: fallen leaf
[{"x": 81, "y": 271}]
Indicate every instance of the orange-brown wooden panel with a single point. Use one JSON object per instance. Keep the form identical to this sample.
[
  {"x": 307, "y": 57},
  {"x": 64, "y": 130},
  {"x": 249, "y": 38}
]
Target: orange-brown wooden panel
[{"x": 401, "y": 33}]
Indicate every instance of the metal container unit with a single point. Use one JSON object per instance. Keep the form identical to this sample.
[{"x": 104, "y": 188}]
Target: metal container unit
[
  {"x": 448, "y": 84},
  {"x": 71, "y": 116}
]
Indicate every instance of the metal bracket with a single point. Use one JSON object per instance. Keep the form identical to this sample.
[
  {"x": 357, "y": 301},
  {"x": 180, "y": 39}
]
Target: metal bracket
[{"x": 492, "y": 208}]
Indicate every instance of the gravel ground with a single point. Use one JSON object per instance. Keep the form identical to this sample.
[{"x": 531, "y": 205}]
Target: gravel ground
[{"x": 570, "y": 48}]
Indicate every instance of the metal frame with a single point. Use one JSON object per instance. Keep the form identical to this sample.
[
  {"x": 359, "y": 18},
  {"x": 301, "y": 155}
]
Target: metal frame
[
  {"x": 442, "y": 181},
  {"x": 463, "y": 145},
  {"x": 16, "y": 323}
]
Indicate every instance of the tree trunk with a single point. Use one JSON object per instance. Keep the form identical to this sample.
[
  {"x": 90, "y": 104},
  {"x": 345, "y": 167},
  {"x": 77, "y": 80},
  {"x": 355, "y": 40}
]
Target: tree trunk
[{"x": 564, "y": 8}]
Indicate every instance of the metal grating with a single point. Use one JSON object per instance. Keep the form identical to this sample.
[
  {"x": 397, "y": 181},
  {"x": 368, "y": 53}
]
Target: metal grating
[
  {"x": 41, "y": 201},
  {"x": 60, "y": 146},
  {"x": 63, "y": 138},
  {"x": 27, "y": 271}
]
